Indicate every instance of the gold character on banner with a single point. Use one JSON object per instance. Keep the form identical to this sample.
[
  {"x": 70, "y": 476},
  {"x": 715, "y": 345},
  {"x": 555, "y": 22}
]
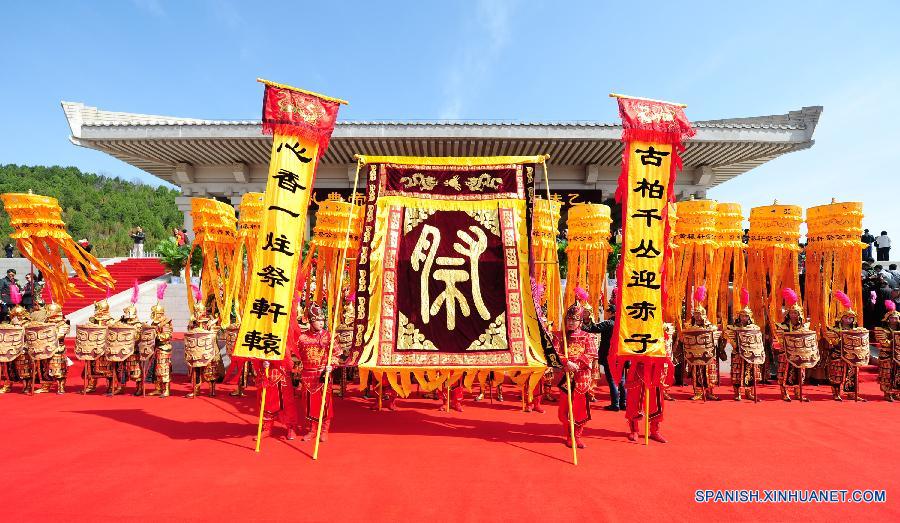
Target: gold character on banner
[{"x": 424, "y": 259}]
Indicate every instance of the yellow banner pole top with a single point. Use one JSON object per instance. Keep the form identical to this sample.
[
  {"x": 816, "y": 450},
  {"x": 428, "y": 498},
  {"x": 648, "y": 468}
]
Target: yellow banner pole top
[
  {"x": 304, "y": 91},
  {"x": 616, "y": 95}
]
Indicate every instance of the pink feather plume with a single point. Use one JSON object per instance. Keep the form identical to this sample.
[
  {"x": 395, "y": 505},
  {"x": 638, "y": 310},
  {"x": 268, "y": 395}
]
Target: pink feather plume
[
  {"x": 351, "y": 297},
  {"x": 161, "y": 291},
  {"x": 789, "y": 296},
  {"x": 135, "y": 292},
  {"x": 539, "y": 292},
  {"x": 843, "y": 298},
  {"x": 197, "y": 294},
  {"x": 699, "y": 294},
  {"x": 108, "y": 292},
  {"x": 745, "y": 297},
  {"x": 890, "y": 305},
  {"x": 14, "y": 295},
  {"x": 581, "y": 294}
]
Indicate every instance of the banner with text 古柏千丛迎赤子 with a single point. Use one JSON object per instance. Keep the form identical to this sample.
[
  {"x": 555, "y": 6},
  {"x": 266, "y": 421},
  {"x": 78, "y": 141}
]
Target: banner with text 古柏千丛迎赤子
[{"x": 653, "y": 133}]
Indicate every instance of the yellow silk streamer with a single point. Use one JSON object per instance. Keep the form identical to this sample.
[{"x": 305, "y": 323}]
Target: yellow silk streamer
[
  {"x": 772, "y": 256},
  {"x": 278, "y": 250},
  {"x": 249, "y": 219},
  {"x": 543, "y": 237},
  {"x": 729, "y": 264},
  {"x": 640, "y": 330},
  {"x": 695, "y": 246},
  {"x": 328, "y": 245},
  {"x": 40, "y": 235},
  {"x": 588, "y": 252},
  {"x": 216, "y": 235},
  {"x": 833, "y": 260}
]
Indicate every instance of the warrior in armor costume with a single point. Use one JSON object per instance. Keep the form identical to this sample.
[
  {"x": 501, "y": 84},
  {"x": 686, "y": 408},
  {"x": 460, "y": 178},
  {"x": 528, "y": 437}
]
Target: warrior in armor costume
[
  {"x": 842, "y": 375},
  {"x": 163, "y": 350},
  {"x": 703, "y": 377},
  {"x": 887, "y": 338},
  {"x": 744, "y": 375},
  {"x": 18, "y": 316},
  {"x": 55, "y": 367},
  {"x": 100, "y": 367},
  {"x": 789, "y": 375},
  {"x": 205, "y": 318},
  {"x": 638, "y": 389},
  {"x": 131, "y": 367},
  {"x": 580, "y": 353},
  {"x": 313, "y": 350}
]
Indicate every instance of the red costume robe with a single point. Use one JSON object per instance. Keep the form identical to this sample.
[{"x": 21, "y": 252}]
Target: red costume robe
[
  {"x": 312, "y": 349},
  {"x": 582, "y": 351},
  {"x": 636, "y": 387},
  {"x": 279, "y": 393}
]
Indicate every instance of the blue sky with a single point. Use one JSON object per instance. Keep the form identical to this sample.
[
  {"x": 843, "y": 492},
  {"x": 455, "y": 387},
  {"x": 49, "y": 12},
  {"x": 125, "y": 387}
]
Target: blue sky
[{"x": 485, "y": 59}]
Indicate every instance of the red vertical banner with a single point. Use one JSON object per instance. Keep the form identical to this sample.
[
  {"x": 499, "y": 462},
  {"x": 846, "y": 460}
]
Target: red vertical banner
[{"x": 653, "y": 133}]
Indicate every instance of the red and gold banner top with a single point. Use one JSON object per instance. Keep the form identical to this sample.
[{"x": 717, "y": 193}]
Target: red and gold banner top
[
  {"x": 775, "y": 226},
  {"x": 653, "y": 134},
  {"x": 729, "y": 225},
  {"x": 290, "y": 111},
  {"x": 696, "y": 222},
  {"x": 42, "y": 238},
  {"x": 835, "y": 224},
  {"x": 653, "y": 121}
]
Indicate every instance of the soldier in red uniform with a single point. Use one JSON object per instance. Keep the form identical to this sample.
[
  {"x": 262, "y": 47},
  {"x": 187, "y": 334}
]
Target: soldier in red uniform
[
  {"x": 313, "y": 350},
  {"x": 577, "y": 358}
]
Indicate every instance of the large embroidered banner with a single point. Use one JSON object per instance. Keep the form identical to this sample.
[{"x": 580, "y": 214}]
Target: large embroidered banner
[{"x": 444, "y": 279}]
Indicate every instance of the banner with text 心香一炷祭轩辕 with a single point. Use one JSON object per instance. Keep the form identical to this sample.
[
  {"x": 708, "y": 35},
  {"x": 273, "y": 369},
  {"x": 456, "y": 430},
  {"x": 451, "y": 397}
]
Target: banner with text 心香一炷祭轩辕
[{"x": 301, "y": 124}]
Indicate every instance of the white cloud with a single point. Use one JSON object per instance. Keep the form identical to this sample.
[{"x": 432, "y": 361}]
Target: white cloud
[{"x": 470, "y": 69}]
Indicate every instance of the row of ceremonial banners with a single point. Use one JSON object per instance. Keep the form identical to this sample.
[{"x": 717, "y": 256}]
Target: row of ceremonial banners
[{"x": 438, "y": 236}]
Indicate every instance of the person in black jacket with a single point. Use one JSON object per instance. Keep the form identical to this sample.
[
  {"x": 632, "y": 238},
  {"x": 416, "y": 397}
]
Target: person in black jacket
[
  {"x": 5, "y": 286},
  {"x": 605, "y": 330}
]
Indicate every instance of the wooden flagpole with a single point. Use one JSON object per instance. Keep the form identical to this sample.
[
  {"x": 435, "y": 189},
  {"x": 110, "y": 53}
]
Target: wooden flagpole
[
  {"x": 336, "y": 311},
  {"x": 262, "y": 406},
  {"x": 564, "y": 341}
]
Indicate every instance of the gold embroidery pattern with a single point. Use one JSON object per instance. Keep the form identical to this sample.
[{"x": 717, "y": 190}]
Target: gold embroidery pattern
[
  {"x": 453, "y": 183},
  {"x": 494, "y": 338},
  {"x": 426, "y": 183},
  {"x": 480, "y": 183},
  {"x": 487, "y": 218},
  {"x": 409, "y": 337},
  {"x": 413, "y": 217}
]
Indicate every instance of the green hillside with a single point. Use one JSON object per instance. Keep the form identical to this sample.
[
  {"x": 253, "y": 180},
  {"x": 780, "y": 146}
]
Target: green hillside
[{"x": 99, "y": 208}]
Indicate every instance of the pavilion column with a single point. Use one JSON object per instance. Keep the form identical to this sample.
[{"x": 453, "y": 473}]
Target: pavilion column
[{"x": 184, "y": 205}]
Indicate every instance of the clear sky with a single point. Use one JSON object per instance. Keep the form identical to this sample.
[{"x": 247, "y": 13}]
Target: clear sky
[{"x": 517, "y": 60}]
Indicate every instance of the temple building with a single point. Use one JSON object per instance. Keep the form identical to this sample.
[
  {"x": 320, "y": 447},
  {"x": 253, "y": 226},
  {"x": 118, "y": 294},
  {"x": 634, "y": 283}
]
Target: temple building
[{"x": 224, "y": 159}]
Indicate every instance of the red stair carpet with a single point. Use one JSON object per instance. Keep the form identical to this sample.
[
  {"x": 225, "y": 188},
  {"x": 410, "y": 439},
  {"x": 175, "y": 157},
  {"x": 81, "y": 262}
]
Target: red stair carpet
[
  {"x": 124, "y": 272},
  {"x": 177, "y": 459}
]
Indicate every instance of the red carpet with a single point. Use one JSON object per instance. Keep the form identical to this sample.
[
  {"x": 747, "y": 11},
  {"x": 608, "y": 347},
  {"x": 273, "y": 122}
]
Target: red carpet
[
  {"x": 88, "y": 458},
  {"x": 124, "y": 272}
]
